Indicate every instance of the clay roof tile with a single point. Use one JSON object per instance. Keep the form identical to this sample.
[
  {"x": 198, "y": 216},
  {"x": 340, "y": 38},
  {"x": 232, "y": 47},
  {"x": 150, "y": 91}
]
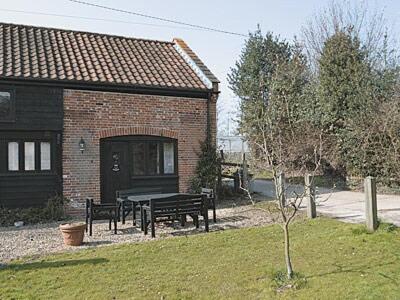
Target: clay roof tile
[{"x": 56, "y": 54}]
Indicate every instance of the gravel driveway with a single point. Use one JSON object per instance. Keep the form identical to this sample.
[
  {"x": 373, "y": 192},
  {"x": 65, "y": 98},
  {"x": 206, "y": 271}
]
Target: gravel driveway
[{"x": 38, "y": 240}]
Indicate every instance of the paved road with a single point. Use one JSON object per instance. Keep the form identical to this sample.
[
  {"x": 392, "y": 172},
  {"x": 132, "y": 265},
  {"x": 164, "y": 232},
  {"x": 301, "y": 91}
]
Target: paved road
[{"x": 342, "y": 205}]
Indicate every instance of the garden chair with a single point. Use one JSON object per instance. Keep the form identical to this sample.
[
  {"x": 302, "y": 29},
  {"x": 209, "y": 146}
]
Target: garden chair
[
  {"x": 211, "y": 201},
  {"x": 105, "y": 211}
]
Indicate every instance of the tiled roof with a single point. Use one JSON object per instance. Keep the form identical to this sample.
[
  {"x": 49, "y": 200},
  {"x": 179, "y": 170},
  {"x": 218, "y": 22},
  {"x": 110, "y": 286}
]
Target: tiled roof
[{"x": 38, "y": 53}]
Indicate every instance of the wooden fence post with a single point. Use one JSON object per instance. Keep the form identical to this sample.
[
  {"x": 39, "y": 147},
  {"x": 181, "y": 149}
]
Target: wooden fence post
[
  {"x": 309, "y": 187},
  {"x": 219, "y": 179},
  {"x": 371, "y": 211},
  {"x": 236, "y": 181},
  {"x": 221, "y": 152},
  {"x": 245, "y": 173},
  {"x": 281, "y": 189}
]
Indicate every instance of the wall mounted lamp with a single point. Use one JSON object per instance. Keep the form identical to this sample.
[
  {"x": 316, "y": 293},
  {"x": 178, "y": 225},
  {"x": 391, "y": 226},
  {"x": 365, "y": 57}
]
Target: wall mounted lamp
[{"x": 82, "y": 145}]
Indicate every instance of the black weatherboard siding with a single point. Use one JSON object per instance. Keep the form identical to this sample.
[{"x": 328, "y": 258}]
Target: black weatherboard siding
[
  {"x": 36, "y": 108},
  {"x": 38, "y": 118}
]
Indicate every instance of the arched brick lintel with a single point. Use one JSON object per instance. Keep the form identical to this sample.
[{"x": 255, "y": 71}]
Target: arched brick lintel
[{"x": 137, "y": 130}]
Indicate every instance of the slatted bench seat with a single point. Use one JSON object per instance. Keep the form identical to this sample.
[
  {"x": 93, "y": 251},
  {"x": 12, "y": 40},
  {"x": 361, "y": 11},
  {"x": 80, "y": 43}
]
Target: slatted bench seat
[{"x": 177, "y": 208}]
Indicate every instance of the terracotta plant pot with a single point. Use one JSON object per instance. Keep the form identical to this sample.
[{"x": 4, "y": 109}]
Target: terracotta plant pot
[{"x": 73, "y": 233}]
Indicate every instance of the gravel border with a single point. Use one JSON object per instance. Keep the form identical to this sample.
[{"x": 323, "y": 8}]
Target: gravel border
[{"x": 38, "y": 240}]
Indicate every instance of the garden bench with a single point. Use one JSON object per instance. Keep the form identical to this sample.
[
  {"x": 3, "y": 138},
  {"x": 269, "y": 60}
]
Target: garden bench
[
  {"x": 126, "y": 206},
  {"x": 175, "y": 207}
]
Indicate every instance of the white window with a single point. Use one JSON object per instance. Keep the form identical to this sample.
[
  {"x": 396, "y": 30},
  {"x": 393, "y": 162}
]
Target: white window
[
  {"x": 45, "y": 162},
  {"x": 13, "y": 157},
  {"x": 29, "y": 156},
  {"x": 169, "y": 158}
]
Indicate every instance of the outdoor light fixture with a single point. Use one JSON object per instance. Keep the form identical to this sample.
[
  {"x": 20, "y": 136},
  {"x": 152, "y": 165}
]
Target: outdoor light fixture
[{"x": 82, "y": 145}]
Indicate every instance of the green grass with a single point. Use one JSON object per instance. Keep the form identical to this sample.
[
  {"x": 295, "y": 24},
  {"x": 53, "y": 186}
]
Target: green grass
[{"x": 336, "y": 261}]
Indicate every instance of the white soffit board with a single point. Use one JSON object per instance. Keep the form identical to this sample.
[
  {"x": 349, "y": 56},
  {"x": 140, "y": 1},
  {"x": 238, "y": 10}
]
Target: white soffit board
[{"x": 194, "y": 66}]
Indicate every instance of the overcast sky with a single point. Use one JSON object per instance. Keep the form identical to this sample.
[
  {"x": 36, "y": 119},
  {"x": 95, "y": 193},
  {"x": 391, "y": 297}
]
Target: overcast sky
[{"x": 218, "y": 51}]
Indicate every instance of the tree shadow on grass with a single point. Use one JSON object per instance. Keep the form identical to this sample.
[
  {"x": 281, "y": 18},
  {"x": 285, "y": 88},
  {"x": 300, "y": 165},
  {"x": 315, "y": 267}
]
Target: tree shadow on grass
[
  {"x": 364, "y": 269},
  {"x": 53, "y": 264},
  {"x": 236, "y": 218},
  {"x": 96, "y": 243},
  {"x": 201, "y": 230},
  {"x": 346, "y": 217}
]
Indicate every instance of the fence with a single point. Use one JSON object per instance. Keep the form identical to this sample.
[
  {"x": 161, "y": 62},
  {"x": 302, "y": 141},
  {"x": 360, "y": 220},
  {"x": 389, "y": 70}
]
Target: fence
[
  {"x": 232, "y": 144},
  {"x": 240, "y": 176}
]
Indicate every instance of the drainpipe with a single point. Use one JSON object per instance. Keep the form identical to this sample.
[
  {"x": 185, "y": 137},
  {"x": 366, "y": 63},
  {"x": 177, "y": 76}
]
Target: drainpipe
[
  {"x": 209, "y": 119},
  {"x": 214, "y": 93}
]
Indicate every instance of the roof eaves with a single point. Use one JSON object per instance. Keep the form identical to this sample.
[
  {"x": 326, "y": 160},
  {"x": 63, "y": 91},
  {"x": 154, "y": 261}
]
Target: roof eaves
[
  {"x": 66, "y": 82},
  {"x": 100, "y": 86},
  {"x": 195, "y": 63}
]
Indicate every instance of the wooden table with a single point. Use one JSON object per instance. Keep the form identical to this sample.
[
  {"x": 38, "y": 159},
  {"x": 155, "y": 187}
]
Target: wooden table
[{"x": 146, "y": 198}]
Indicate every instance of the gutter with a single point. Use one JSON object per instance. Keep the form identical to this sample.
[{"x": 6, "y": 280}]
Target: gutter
[{"x": 104, "y": 87}]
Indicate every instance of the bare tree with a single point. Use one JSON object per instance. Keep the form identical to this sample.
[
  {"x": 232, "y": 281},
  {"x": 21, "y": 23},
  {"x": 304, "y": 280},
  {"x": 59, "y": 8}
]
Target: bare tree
[
  {"x": 369, "y": 25},
  {"x": 279, "y": 153},
  {"x": 284, "y": 142},
  {"x": 281, "y": 136}
]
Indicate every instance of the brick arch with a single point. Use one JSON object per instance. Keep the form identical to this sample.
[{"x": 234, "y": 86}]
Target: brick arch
[{"x": 137, "y": 130}]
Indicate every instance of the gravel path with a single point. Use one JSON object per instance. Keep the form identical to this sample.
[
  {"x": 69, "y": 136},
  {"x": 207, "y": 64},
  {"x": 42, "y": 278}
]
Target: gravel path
[{"x": 38, "y": 240}]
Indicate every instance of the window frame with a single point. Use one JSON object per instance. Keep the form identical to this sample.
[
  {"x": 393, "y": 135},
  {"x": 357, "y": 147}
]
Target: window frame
[
  {"x": 160, "y": 141},
  {"x": 7, "y": 165},
  {"x": 11, "y": 118},
  {"x": 50, "y": 155},
  {"x": 175, "y": 156},
  {"x": 37, "y": 155}
]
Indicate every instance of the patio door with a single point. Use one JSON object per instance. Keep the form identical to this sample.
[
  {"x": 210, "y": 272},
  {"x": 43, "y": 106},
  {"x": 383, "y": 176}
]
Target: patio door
[{"x": 140, "y": 163}]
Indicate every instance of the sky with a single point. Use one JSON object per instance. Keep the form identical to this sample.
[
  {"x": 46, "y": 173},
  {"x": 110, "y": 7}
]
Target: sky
[{"x": 218, "y": 51}]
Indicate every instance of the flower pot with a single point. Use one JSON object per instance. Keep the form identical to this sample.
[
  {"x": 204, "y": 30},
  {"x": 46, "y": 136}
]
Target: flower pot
[
  {"x": 19, "y": 224},
  {"x": 73, "y": 233}
]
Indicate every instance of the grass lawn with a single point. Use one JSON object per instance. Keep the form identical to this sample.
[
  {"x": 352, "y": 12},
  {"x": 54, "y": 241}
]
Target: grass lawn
[{"x": 339, "y": 261}]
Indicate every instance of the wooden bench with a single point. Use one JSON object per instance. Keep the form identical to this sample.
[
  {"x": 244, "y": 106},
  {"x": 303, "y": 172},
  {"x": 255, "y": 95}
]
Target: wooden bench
[
  {"x": 176, "y": 208},
  {"x": 126, "y": 207}
]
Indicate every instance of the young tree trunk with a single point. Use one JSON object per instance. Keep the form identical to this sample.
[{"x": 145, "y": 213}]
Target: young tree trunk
[{"x": 287, "y": 252}]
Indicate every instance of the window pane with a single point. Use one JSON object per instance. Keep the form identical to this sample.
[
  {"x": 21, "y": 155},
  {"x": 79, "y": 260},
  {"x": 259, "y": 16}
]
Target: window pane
[
  {"x": 154, "y": 158},
  {"x": 5, "y": 104},
  {"x": 45, "y": 156},
  {"x": 169, "y": 158},
  {"x": 29, "y": 156},
  {"x": 139, "y": 159},
  {"x": 13, "y": 161}
]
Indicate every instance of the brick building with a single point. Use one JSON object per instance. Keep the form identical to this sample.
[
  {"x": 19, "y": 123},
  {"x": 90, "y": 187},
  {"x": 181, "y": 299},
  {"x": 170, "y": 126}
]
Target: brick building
[{"x": 87, "y": 114}]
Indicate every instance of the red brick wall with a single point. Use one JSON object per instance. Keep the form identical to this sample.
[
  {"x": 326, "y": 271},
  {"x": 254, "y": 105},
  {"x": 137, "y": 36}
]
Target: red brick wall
[{"x": 94, "y": 115}]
